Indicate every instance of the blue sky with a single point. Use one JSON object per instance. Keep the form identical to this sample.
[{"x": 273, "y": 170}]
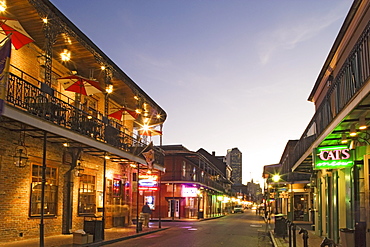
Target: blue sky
[{"x": 229, "y": 73}]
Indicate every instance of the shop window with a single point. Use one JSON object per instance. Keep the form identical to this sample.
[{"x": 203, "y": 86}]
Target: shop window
[
  {"x": 51, "y": 191},
  {"x": 87, "y": 195},
  {"x": 117, "y": 187}
]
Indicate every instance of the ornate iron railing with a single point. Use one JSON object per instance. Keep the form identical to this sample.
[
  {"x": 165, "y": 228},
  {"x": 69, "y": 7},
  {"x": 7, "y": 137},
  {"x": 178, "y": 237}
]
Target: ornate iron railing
[
  {"x": 350, "y": 79},
  {"x": 57, "y": 109}
]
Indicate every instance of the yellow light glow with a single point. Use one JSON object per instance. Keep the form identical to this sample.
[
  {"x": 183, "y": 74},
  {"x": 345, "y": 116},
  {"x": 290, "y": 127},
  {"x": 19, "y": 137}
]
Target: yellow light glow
[
  {"x": 138, "y": 111},
  {"x": 109, "y": 88},
  {"x": 102, "y": 67},
  {"x": 89, "y": 117},
  {"x": 353, "y": 133},
  {"x": 2, "y": 6},
  {"x": 158, "y": 116},
  {"x": 136, "y": 97},
  {"x": 276, "y": 178},
  {"x": 145, "y": 127},
  {"x": 107, "y": 157},
  {"x": 65, "y": 144},
  {"x": 65, "y": 55},
  {"x": 45, "y": 20}
]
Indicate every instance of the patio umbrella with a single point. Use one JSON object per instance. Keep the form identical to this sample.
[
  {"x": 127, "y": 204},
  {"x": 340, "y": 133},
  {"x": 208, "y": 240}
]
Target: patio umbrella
[
  {"x": 124, "y": 113},
  {"x": 19, "y": 36},
  {"x": 81, "y": 85}
]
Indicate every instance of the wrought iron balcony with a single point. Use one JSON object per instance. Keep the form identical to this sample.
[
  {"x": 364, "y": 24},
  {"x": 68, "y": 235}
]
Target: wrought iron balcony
[
  {"x": 52, "y": 106},
  {"x": 349, "y": 81}
]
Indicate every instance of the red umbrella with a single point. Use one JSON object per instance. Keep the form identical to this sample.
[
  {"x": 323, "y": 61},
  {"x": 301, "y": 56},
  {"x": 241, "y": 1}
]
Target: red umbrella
[
  {"x": 81, "y": 85},
  {"x": 19, "y": 36},
  {"x": 124, "y": 113}
]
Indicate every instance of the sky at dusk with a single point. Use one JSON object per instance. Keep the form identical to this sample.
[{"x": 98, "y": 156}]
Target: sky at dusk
[{"x": 229, "y": 73}]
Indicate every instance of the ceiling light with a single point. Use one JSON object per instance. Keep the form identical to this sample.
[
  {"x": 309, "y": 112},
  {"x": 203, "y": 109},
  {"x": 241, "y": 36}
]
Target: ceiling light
[
  {"x": 2, "y": 6},
  {"x": 362, "y": 123},
  {"x": 65, "y": 55},
  {"x": 353, "y": 131}
]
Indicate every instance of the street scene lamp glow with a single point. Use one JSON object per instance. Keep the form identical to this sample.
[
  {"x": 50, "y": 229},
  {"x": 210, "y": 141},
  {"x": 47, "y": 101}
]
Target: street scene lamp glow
[
  {"x": 276, "y": 178},
  {"x": 109, "y": 88},
  {"x": 353, "y": 131},
  {"x": 65, "y": 55},
  {"x": 2, "y": 6},
  {"x": 362, "y": 123}
]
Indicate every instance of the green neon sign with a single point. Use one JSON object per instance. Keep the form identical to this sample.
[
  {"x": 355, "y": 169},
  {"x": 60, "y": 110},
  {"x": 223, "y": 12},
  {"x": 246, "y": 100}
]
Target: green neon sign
[{"x": 332, "y": 157}]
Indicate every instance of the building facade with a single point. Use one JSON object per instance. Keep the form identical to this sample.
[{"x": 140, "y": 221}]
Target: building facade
[
  {"x": 72, "y": 151},
  {"x": 334, "y": 148},
  {"x": 193, "y": 185},
  {"x": 234, "y": 160}
]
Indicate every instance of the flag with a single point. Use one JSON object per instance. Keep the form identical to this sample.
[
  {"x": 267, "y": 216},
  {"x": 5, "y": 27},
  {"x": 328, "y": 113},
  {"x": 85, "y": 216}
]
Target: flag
[
  {"x": 149, "y": 155},
  {"x": 5, "y": 51}
]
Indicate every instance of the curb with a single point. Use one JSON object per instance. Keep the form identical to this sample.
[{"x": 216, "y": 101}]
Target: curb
[{"x": 101, "y": 243}]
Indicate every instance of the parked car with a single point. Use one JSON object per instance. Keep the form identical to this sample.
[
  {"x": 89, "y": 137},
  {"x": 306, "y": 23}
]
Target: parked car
[{"x": 238, "y": 209}]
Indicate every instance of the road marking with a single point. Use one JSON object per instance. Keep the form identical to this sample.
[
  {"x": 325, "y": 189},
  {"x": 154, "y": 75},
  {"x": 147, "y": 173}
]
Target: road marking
[
  {"x": 257, "y": 226},
  {"x": 192, "y": 229}
]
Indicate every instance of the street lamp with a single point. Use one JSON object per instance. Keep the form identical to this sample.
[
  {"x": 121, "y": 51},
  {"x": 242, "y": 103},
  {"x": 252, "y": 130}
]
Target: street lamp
[{"x": 276, "y": 179}]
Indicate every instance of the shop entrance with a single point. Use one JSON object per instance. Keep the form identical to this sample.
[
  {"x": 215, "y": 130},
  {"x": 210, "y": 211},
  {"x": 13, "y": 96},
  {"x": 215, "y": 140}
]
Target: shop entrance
[
  {"x": 300, "y": 207},
  {"x": 173, "y": 208}
]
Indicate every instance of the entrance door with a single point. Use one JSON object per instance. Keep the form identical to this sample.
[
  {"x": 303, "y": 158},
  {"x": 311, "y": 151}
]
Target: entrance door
[{"x": 173, "y": 208}]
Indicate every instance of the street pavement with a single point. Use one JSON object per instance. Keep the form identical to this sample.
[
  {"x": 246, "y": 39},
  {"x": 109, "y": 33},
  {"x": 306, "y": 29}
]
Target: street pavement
[{"x": 265, "y": 231}]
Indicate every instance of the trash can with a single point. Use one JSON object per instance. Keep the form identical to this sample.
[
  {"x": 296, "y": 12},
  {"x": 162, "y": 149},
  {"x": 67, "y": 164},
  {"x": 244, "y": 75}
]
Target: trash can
[
  {"x": 280, "y": 225},
  {"x": 200, "y": 215},
  {"x": 94, "y": 226},
  {"x": 347, "y": 237}
]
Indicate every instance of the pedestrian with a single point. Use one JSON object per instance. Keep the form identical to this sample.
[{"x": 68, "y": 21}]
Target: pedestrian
[{"x": 146, "y": 211}]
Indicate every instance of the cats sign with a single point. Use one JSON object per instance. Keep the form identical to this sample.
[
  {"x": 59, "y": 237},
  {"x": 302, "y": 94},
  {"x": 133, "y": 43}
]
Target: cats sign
[{"x": 332, "y": 157}]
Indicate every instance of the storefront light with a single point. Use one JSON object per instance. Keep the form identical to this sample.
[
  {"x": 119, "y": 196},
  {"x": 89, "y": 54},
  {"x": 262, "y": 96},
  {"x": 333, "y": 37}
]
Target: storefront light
[
  {"x": 362, "y": 123},
  {"x": 2, "y": 6},
  {"x": 353, "y": 131}
]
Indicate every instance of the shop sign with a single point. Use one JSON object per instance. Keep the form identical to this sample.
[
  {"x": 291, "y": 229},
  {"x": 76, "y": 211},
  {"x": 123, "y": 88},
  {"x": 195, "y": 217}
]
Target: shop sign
[
  {"x": 148, "y": 182},
  {"x": 332, "y": 157},
  {"x": 189, "y": 191}
]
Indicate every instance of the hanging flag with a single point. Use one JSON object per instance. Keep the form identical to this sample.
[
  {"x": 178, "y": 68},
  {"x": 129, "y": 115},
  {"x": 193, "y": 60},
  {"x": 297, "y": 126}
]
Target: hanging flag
[
  {"x": 5, "y": 51},
  {"x": 149, "y": 155}
]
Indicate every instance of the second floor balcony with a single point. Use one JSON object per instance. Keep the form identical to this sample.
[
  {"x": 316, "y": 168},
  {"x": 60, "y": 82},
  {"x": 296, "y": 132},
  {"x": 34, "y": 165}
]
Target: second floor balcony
[
  {"x": 55, "y": 109},
  {"x": 345, "y": 105}
]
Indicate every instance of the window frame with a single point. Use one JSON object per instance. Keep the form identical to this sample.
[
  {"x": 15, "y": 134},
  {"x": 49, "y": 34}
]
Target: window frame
[
  {"x": 87, "y": 196},
  {"x": 51, "y": 194}
]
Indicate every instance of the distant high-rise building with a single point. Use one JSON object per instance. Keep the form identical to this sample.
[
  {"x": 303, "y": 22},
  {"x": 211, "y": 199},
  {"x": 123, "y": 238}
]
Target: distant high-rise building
[{"x": 234, "y": 160}]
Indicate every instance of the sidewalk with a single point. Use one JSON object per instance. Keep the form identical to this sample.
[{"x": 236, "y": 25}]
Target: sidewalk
[
  {"x": 111, "y": 235},
  {"x": 278, "y": 241}
]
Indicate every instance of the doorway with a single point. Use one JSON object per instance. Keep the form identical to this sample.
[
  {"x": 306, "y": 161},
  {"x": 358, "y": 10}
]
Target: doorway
[{"x": 174, "y": 208}]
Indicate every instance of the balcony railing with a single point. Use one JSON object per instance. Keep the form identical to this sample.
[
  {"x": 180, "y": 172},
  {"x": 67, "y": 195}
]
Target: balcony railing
[
  {"x": 204, "y": 180},
  {"x": 60, "y": 110},
  {"x": 350, "y": 79}
]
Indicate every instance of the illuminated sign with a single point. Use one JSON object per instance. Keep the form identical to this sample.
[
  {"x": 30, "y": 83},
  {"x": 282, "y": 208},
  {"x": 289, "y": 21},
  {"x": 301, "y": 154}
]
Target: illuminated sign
[
  {"x": 189, "y": 192},
  {"x": 149, "y": 182},
  {"x": 332, "y": 157}
]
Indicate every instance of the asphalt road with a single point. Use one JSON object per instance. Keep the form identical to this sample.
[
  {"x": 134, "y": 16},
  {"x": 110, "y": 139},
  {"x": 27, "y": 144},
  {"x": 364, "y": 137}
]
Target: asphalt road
[{"x": 243, "y": 229}]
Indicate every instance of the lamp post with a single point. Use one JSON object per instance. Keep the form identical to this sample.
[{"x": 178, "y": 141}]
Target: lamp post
[{"x": 275, "y": 179}]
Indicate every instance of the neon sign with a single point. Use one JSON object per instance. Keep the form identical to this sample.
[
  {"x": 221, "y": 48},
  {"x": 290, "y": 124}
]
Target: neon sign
[
  {"x": 189, "y": 191},
  {"x": 148, "y": 182},
  {"x": 332, "y": 157}
]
